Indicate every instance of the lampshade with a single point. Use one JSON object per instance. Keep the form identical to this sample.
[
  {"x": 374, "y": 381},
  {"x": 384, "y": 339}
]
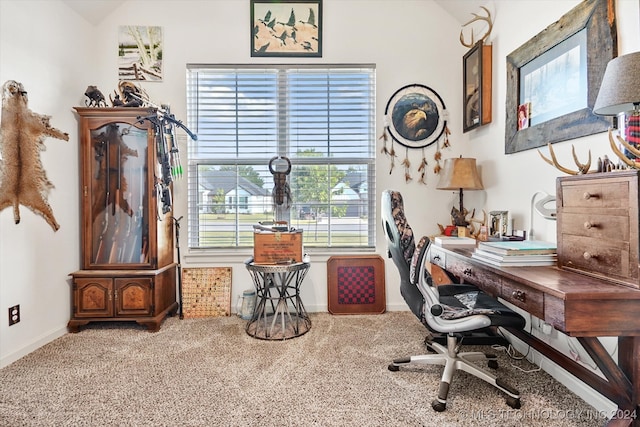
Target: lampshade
[
  {"x": 620, "y": 88},
  {"x": 459, "y": 173}
]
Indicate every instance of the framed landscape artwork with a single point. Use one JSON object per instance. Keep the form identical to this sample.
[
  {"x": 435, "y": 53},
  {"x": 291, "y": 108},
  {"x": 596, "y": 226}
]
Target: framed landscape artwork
[
  {"x": 140, "y": 53},
  {"x": 286, "y": 28}
]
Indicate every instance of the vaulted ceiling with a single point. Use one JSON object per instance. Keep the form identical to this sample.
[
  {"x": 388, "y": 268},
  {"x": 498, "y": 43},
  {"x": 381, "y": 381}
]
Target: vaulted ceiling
[{"x": 94, "y": 11}]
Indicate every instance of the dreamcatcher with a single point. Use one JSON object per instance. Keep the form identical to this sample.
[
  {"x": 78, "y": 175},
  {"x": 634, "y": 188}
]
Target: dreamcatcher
[{"x": 415, "y": 117}]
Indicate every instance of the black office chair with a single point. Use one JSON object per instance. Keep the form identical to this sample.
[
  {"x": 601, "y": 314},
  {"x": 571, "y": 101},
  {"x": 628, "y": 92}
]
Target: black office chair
[{"x": 453, "y": 309}]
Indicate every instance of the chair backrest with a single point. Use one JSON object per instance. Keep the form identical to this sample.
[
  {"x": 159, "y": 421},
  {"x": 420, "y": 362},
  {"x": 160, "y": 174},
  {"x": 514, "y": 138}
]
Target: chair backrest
[
  {"x": 416, "y": 283},
  {"x": 400, "y": 246}
]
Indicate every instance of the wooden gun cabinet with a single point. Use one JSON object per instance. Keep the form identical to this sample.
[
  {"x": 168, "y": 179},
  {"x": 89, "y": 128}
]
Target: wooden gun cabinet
[{"x": 128, "y": 270}]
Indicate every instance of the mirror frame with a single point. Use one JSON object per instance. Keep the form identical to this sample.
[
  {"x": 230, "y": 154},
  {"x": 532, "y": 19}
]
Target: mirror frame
[{"x": 599, "y": 20}]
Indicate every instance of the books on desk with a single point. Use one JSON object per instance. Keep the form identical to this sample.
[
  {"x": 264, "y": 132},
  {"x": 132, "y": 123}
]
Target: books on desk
[
  {"x": 454, "y": 242},
  {"x": 527, "y": 253},
  {"x": 519, "y": 248}
]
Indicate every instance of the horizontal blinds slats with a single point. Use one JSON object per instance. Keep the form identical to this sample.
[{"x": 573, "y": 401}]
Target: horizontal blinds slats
[
  {"x": 238, "y": 109},
  {"x": 322, "y": 118}
]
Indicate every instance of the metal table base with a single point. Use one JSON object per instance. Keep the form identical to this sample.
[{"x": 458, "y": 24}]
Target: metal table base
[{"x": 279, "y": 313}]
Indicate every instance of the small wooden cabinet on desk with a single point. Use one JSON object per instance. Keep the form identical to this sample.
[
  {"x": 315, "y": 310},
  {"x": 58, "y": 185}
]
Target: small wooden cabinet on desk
[
  {"x": 598, "y": 225},
  {"x": 128, "y": 270}
]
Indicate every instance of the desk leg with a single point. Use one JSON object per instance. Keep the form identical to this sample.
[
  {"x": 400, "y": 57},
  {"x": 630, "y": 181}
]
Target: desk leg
[
  {"x": 621, "y": 384},
  {"x": 629, "y": 362}
]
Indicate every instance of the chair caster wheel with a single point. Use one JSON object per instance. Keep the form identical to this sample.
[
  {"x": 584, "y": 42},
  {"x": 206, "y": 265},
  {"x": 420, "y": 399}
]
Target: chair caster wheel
[
  {"x": 394, "y": 368},
  {"x": 438, "y": 406},
  {"x": 514, "y": 402},
  {"x": 493, "y": 364}
]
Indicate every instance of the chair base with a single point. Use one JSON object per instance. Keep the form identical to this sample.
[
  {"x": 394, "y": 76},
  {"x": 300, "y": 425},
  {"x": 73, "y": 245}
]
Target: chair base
[{"x": 452, "y": 360}]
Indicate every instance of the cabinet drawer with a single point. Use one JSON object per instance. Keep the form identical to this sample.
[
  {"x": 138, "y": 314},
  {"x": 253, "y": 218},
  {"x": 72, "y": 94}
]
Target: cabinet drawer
[
  {"x": 593, "y": 194},
  {"x": 526, "y": 298},
  {"x": 607, "y": 258},
  {"x": 596, "y": 225}
]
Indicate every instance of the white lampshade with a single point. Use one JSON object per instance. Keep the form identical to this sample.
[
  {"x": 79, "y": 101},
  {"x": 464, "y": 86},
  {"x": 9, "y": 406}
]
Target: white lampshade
[{"x": 620, "y": 88}]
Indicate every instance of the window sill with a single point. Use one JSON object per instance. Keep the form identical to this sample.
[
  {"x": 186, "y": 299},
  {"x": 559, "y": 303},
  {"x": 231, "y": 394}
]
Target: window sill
[{"x": 238, "y": 256}]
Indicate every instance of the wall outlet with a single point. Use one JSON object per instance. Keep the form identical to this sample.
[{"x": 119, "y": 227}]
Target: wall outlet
[{"x": 14, "y": 314}]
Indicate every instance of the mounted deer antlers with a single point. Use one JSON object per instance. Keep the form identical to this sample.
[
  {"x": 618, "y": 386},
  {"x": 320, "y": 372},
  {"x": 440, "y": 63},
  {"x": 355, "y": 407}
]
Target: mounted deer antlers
[
  {"x": 582, "y": 168},
  {"x": 633, "y": 150},
  {"x": 477, "y": 18}
]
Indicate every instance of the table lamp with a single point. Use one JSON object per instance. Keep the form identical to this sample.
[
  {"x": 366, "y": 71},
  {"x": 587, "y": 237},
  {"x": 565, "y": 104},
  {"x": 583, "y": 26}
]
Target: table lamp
[
  {"x": 620, "y": 93},
  {"x": 460, "y": 174}
]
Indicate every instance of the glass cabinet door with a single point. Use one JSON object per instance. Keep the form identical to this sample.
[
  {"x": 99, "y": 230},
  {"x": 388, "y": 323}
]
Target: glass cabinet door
[{"x": 119, "y": 201}]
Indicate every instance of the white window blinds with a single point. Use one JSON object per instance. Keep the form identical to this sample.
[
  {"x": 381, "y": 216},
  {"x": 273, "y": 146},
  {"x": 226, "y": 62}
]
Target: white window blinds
[{"x": 321, "y": 118}]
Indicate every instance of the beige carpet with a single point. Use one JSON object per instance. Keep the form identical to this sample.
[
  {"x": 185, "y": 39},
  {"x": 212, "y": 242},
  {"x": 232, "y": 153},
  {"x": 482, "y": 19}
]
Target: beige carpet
[{"x": 208, "y": 372}]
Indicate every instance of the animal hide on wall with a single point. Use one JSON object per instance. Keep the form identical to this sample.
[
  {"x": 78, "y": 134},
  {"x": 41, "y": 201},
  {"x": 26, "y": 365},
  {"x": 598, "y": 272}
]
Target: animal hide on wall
[{"x": 23, "y": 180}]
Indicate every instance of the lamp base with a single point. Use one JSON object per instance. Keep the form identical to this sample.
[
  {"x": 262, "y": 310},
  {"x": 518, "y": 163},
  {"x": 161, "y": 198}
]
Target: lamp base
[{"x": 458, "y": 217}]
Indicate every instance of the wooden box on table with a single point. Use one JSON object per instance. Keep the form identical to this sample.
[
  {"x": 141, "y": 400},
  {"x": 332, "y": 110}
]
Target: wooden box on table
[{"x": 277, "y": 247}]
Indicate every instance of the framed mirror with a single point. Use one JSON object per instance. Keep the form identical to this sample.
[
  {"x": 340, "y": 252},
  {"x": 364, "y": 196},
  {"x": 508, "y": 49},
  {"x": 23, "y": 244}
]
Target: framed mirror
[{"x": 558, "y": 74}]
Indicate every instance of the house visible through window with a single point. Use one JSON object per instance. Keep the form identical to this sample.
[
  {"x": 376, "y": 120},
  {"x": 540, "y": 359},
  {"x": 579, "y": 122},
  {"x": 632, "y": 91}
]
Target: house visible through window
[{"x": 322, "y": 118}]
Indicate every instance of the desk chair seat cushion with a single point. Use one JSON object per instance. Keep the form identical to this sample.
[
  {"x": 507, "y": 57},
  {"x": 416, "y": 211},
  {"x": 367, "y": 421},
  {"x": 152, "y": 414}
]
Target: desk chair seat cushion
[
  {"x": 456, "y": 301},
  {"x": 467, "y": 300}
]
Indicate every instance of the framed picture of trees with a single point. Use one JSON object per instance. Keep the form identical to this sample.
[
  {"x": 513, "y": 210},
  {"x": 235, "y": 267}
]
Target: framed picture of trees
[{"x": 140, "y": 53}]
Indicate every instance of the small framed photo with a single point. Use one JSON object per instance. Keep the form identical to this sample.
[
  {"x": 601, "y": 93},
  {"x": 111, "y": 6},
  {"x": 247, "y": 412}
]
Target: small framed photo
[
  {"x": 499, "y": 223},
  {"x": 524, "y": 115},
  {"x": 281, "y": 28}
]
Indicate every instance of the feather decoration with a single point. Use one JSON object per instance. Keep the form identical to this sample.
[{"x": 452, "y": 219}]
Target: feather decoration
[
  {"x": 392, "y": 154},
  {"x": 407, "y": 166},
  {"x": 423, "y": 169},
  {"x": 437, "y": 156},
  {"x": 447, "y": 132},
  {"x": 384, "y": 149}
]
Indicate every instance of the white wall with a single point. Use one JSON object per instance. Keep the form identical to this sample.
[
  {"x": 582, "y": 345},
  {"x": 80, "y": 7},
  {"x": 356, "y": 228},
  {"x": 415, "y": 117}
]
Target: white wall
[
  {"x": 40, "y": 47},
  {"x": 56, "y": 54},
  {"x": 403, "y": 38},
  {"x": 511, "y": 180}
]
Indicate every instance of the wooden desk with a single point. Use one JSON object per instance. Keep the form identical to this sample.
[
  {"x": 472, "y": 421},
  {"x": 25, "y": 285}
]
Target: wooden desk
[{"x": 575, "y": 304}]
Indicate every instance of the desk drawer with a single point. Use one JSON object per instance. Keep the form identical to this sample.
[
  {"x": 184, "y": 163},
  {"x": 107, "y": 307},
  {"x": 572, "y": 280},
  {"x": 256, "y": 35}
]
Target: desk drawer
[
  {"x": 528, "y": 299},
  {"x": 599, "y": 224},
  {"x": 596, "y": 194},
  {"x": 605, "y": 257},
  {"x": 611, "y": 260},
  {"x": 437, "y": 256},
  {"x": 468, "y": 273}
]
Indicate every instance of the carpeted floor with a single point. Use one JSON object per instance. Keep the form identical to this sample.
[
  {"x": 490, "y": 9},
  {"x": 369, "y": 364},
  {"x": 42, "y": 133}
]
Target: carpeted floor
[{"x": 209, "y": 372}]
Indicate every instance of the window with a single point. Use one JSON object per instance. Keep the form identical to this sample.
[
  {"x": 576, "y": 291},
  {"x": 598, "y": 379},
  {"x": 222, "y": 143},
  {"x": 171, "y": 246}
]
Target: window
[{"x": 322, "y": 119}]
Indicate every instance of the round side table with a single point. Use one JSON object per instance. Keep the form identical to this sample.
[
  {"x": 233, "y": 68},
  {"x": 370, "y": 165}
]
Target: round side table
[{"x": 279, "y": 312}]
